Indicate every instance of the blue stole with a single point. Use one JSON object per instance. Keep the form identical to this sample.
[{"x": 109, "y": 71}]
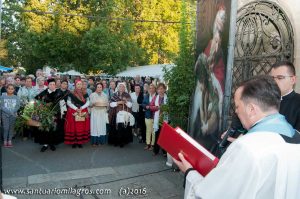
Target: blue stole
[{"x": 274, "y": 123}]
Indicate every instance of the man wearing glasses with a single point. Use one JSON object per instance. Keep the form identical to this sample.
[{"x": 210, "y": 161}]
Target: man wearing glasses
[{"x": 285, "y": 76}]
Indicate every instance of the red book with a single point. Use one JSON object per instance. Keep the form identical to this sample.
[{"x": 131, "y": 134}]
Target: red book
[{"x": 176, "y": 141}]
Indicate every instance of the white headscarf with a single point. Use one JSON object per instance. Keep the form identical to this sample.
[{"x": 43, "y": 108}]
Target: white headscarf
[{"x": 118, "y": 87}]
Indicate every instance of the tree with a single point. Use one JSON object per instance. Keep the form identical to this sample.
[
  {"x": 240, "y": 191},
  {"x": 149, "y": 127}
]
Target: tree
[
  {"x": 182, "y": 74},
  {"x": 3, "y": 50},
  {"x": 160, "y": 40},
  {"x": 56, "y": 32},
  {"x": 108, "y": 50}
]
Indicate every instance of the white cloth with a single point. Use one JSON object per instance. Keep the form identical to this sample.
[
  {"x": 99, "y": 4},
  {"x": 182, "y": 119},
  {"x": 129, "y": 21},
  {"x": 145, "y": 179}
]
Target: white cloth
[
  {"x": 125, "y": 118},
  {"x": 118, "y": 86},
  {"x": 115, "y": 104},
  {"x": 156, "y": 114},
  {"x": 72, "y": 106},
  {"x": 63, "y": 107},
  {"x": 256, "y": 166},
  {"x": 135, "y": 105},
  {"x": 99, "y": 116},
  {"x": 217, "y": 86}
]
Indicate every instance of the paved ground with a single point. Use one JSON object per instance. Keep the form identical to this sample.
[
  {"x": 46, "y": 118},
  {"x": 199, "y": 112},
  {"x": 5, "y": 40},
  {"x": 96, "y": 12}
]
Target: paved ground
[{"x": 112, "y": 172}]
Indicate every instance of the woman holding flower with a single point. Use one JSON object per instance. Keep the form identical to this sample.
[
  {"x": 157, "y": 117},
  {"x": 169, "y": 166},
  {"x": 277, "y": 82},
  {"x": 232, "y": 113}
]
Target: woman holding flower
[
  {"x": 77, "y": 126},
  {"x": 155, "y": 106},
  {"x": 50, "y": 98}
]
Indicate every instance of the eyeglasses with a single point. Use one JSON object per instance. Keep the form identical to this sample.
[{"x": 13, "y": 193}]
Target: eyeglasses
[{"x": 281, "y": 77}]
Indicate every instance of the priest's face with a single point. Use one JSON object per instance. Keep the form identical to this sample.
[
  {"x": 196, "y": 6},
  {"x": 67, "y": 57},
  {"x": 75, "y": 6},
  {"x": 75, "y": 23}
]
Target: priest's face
[
  {"x": 284, "y": 79},
  {"x": 52, "y": 86},
  {"x": 241, "y": 109}
]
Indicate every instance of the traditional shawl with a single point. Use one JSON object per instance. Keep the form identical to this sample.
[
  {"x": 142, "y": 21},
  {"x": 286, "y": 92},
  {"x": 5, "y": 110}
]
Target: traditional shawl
[
  {"x": 116, "y": 98},
  {"x": 79, "y": 93}
]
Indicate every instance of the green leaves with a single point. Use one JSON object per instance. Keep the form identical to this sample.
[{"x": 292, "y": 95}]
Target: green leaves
[
  {"x": 181, "y": 77},
  {"x": 108, "y": 35}
]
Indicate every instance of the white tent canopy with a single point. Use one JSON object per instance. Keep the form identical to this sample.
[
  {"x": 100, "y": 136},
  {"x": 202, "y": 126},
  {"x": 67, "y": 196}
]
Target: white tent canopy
[
  {"x": 72, "y": 72},
  {"x": 149, "y": 70}
]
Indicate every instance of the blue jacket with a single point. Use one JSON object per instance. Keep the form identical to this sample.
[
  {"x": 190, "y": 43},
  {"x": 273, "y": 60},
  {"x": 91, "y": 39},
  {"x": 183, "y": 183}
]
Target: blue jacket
[{"x": 146, "y": 102}]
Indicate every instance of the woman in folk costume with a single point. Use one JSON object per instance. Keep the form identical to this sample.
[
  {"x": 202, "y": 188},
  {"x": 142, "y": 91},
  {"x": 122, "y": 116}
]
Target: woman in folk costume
[
  {"x": 120, "y": 132},
  {"x": 52, "y": 97},
  {"x": 155, "y": 106},
  {"x": 63, "y": 108},
  {"x": 77, "y": 126},
  {"x": 99, "y": 104}
]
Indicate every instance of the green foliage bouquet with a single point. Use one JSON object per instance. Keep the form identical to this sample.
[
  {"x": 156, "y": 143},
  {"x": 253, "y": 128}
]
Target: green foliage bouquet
[
  {"x": 39, "y": 114},
  {"x": 164, "y": 114}
]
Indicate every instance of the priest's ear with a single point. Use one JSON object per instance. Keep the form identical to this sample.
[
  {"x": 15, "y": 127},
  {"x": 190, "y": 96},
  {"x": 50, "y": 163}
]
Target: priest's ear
[
  {"x": 252, "y": 110},
  {"x": 293, "y": 80}
]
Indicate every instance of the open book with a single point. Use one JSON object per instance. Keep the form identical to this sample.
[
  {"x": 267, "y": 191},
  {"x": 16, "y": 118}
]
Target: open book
[{"x": 176, "y": 141}]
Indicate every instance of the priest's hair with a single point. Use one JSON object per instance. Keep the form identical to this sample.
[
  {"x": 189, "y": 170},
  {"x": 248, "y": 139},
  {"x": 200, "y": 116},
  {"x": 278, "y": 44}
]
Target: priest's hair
[{"x": 263, "y": 91}]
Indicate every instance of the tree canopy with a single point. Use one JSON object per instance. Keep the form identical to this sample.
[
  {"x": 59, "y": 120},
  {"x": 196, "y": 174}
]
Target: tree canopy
[{"x": 90, "y": 35}]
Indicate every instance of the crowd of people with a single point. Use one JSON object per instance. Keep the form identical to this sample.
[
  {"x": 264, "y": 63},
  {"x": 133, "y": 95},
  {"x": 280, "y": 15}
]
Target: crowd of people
[
  {"x": 88, "y": 109},
  {"x": 263, "y": 162}
]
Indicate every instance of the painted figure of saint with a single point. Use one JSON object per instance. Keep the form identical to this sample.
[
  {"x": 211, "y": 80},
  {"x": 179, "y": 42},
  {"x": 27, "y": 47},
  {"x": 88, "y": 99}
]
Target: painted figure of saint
[{"x": 210, "y": 73}]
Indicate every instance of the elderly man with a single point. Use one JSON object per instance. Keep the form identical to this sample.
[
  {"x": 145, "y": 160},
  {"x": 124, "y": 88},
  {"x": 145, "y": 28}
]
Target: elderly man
[
  {"x": 27, "y": 92},
  {"x": 258, "y": 165},
  {"x": 40, "y": 84}
]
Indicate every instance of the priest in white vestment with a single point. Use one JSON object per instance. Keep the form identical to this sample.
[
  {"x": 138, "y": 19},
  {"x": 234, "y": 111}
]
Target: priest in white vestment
[{"x": 259, "y": 165}]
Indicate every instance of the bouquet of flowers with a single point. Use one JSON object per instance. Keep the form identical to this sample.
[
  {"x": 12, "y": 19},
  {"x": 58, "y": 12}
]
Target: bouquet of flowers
[
  {"x": 164, "y": 114},
  {"x": 39, "y": 114}
]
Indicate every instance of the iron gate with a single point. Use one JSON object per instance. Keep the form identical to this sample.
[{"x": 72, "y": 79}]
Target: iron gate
[{"x": 264, "y": 35}]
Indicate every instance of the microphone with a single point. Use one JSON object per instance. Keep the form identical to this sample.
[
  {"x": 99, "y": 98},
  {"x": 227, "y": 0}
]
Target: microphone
[{"x": 224, "y": 141}]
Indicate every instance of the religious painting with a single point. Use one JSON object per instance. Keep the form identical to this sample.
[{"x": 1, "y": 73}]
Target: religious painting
[{"x": 210, "y": 69}]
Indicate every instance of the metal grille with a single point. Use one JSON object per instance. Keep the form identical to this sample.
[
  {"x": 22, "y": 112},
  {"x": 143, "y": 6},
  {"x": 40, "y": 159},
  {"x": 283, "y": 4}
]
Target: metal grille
[{"x": 264, "y": 35}]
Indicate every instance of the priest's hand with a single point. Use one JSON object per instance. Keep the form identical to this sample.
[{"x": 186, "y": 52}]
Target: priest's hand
[
  {"x": 230, "y": 139},
  {"x": 183, "y": 164}
]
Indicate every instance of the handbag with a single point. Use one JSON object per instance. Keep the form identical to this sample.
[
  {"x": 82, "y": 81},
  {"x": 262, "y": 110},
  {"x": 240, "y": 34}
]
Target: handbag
[{"x": 79, "y": 117}]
